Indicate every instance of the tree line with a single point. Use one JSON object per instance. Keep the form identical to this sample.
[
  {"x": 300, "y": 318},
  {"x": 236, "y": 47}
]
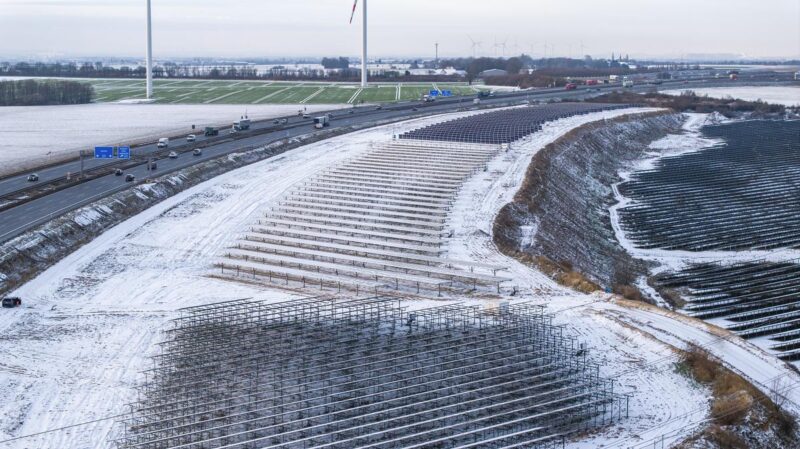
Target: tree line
[{"x": 44, "y": 92}]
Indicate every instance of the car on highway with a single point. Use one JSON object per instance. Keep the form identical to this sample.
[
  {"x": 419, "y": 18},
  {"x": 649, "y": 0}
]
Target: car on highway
[
  {"x": 153, "y": 165},
  {"x": 173, "y": 155},
  {"x": 378, "y": 108},
  {"x": 306, "y": 115},
  {"x": 191, "y": 138},
  {"x": 351, "y": 111},
  {"x": 163, "y": 142},
  {"x": 33, "y": 177},
  {"x": 197, "y": 152},
  {"x": 130, "y": 177},
  {"x": 118, "y": 172},
  {"x": 276, "y": 122},
  {"x": 284, "y": 121}
]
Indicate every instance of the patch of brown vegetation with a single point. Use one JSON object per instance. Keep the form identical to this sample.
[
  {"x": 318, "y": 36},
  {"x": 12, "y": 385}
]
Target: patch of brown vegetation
[
  {"x": 628, "y": 292},
  {"x": 561, "y": 273},
  {"x": 736, "y": 402},
  {"x": 689, "y": 101}
]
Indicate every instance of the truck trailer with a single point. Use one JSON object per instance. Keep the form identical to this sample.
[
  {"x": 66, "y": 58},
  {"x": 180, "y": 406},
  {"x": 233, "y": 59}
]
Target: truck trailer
[
  {"x": 322, "y": 121},
  {"x": 242, "y": 125}
]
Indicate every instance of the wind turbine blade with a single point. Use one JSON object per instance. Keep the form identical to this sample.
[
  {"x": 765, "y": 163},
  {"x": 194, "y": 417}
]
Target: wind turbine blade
[{"x": 355, "y": 3}]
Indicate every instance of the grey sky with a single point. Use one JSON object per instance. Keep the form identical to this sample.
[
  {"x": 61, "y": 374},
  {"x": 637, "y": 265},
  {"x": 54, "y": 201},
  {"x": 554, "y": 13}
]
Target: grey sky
[{"x": 268, "y": 28}]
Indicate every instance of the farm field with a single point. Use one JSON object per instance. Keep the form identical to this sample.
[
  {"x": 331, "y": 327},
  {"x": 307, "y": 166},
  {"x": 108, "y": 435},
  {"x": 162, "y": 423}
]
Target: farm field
[{"x": 266, "y": 92}]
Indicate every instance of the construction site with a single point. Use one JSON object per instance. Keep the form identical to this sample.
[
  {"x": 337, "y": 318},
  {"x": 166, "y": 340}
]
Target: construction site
[{"x": 358, "y": 373}]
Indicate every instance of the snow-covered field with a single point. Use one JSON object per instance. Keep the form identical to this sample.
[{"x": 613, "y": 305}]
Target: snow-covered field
[
  {"x": 32, "y": 135},
  {"x": 785, "y": 95},
  {"x": 72, "y": 353}
]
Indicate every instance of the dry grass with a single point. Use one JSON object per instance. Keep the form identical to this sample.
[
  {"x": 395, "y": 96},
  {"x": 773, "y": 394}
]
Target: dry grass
[
  {"x": 560, "y": 272},
  {"x": 629, "y": 292},
  {"x": 734, "y": 400}
]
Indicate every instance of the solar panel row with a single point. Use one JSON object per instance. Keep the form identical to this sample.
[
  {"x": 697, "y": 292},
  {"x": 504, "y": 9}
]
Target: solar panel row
[{"x": 504, "y": 126}]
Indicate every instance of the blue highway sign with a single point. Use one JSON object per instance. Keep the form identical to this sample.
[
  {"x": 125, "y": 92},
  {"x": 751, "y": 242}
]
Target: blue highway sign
[
  {"x": 447, "y": 93},
  {"x": 434, "y": 93},
  {"x": 104, "y": 152},
  {"x": 123, "y": 152}
]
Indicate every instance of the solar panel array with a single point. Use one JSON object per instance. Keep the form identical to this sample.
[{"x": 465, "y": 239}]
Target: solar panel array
[
  {"x": 365, "y": 373},
  {"x": 373, "y": 222},
  {"x": 742, "y": 195},
  {"x": 504, "y": 126},
  {"x": 754, "y": 299}
]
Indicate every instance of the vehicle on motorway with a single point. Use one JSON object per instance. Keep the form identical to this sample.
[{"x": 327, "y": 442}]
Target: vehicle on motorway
[
  {"x": 476, "y": 101},
  {"x": 191, "y": 138},
  {"x": 33, "y": 177},
  {"x": 130, "y": 177},
  {"x": 211, "y": 131},
  {"x": 306, "y": 115},
  {"x": 378, "y": 108},
  {"x": 415, "y": 109},
  {"x": 591, "y": 82},
  {"x": 153, "y": 165},
  {"x": 284, "y": 121},
  {"x": 570, "y": 86},
  {"x": 241, "y": 125},
  {"x": 118, "y": 172},
  {"x": 197, "y": 152},
  {"x": 351, "y": 111},
  {"x": 10, "y": 302},
  {"x": 428, "y": 99},
  {"x": 321, "y": 122},
  {"x": 173, "y": 155},
  {"x": 276, "y": 122},
  {"x": 627, "y": 82},
  {"x": 163, "y": 142}
]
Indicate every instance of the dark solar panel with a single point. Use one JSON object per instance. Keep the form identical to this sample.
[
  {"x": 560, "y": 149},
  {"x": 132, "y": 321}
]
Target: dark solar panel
[{"x": 504, "y": 126}]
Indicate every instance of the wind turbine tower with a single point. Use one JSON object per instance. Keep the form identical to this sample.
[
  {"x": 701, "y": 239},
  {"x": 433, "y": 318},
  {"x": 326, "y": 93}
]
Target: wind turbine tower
[
  {"x": 149, "y": 61},
  {"x": 363, "y": 39}
]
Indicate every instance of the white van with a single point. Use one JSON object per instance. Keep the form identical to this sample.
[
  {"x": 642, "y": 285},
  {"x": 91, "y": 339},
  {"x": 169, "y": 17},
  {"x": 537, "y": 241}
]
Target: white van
[{"x": 163, "y": 142}]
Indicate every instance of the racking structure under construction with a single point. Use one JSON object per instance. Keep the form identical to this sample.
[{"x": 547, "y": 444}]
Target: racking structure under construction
[{"x": 327, "y": 372}]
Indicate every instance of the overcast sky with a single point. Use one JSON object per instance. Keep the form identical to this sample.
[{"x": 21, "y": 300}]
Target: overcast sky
[{"x": 275, "y": 28}]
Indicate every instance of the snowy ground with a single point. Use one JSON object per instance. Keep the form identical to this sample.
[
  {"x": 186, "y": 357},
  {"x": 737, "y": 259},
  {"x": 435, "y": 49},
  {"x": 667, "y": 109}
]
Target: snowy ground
[
  {"x": 32, "y": 135},
  {"x": 72, "y": 353},
  {"x": 785, "y": 95}
]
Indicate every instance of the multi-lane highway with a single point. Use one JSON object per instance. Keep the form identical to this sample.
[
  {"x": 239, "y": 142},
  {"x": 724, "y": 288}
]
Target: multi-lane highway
[{"x": 27, "y": 215}]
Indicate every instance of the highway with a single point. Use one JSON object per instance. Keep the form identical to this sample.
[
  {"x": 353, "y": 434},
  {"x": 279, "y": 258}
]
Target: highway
[{"x": 26, "y": 216}]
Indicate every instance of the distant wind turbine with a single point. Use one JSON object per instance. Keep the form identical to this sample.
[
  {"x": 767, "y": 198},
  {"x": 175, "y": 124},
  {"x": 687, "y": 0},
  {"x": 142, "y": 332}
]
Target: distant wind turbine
[
  {"x": 475, "y": 44},
  {"x": 149, "y": 57},
  {"x": 363, "y": 39}
]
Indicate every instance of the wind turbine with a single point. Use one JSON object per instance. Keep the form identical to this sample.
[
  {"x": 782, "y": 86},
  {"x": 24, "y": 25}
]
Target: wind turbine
[
  {"x": 475, "y": 44},
  {"x": 363, "y": 39},
  {"x": 149, "y": 60}
]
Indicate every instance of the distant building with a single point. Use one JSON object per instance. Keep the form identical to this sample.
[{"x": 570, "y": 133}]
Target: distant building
[
  {"x": 448, "y": 71},
  {"x": 492, "y": 72}
]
